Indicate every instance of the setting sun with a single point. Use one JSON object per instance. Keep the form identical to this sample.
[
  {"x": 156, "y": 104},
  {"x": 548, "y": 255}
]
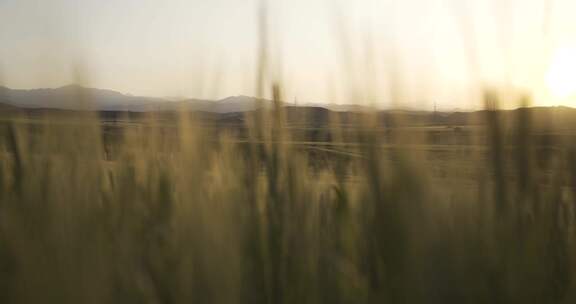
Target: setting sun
[{"x": 561, "y": 76}]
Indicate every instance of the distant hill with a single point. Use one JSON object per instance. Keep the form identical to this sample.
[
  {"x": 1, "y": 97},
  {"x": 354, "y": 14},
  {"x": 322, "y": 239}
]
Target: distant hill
[
  {"x": 74, "y": 97},
  {"x": 232, "y": 110},
  {"x": 227, "y": 105}
]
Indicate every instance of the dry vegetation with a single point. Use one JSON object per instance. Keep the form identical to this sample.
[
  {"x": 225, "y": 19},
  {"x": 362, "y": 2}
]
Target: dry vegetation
[
  {"x": 171, "y": 215},
  {"x": 182, "y": 212}
]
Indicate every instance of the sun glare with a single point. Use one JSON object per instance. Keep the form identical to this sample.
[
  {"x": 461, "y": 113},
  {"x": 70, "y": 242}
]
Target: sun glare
[{"x": 561, "y": 75}]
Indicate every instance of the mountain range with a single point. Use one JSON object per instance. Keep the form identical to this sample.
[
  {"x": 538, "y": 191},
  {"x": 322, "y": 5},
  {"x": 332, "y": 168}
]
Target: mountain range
[
  {"x": 75, "y": 97},
  {"x": 232, "y": 109}
]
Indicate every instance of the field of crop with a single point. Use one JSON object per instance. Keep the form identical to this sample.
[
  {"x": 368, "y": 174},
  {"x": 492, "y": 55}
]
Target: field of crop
[
  {"x": 108, "y": 197},
  {"x": 149, "y": 211}
]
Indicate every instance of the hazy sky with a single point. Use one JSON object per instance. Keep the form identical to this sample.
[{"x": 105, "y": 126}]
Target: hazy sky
[{"x": 428, "y": 50}]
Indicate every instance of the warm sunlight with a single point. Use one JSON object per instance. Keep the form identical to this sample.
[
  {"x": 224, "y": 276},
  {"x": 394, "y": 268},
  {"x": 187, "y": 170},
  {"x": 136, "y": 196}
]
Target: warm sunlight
[
  {"x": 561, "y": 75},
  {"x": 287, "y": 151}
]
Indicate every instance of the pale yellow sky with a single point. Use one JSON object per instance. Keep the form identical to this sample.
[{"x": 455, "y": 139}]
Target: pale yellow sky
[{"x": 321, "y": 48}]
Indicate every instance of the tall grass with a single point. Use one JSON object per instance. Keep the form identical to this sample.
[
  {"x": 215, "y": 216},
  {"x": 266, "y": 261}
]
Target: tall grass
[
  {"x": 174, "y": 216},
  {"x": 174, "y": 212}
]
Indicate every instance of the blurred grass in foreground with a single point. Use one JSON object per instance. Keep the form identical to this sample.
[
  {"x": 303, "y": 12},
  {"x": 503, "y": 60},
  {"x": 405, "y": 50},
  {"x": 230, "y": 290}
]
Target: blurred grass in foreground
[
  {"x": 178, "y": 213},
  {"x": 367, "y": 211}
]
